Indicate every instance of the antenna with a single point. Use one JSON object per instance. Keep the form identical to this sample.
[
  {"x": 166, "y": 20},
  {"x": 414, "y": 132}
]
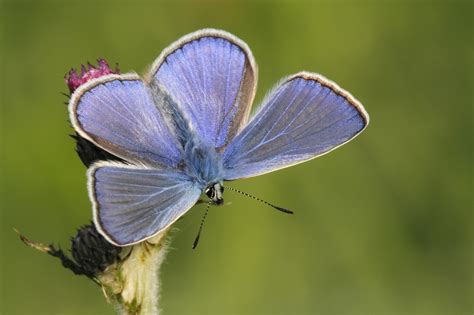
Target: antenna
[
  {"x": 196, "y": 241},
  {"x": 258, "y": 199}
]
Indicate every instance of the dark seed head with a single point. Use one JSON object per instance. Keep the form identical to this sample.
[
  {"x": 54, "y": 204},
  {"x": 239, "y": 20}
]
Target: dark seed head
[{"x": 92, "y": 252}]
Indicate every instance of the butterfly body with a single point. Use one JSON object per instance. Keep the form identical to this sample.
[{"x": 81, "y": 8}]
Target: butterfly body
[
  {"x": 184, "y": 129},
  {"x": 200, "y": 159},
  {"x": 203, "y": 164}
]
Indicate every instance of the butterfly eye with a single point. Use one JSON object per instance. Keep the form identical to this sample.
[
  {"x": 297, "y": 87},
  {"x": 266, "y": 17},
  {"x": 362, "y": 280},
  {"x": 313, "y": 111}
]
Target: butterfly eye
[{"x": 209, "y": 192}]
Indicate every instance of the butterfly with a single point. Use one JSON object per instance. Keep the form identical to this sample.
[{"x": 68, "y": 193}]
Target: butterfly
[{"x": 184, "y": 128}]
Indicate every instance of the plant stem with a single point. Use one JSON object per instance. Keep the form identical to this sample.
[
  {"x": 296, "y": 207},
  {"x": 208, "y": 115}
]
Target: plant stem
[{"x": 133, "y": 283}]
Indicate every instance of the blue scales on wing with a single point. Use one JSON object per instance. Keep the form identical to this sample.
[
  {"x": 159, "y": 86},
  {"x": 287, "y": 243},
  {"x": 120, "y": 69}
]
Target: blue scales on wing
[
  {"x": 117, "y": 113},
  {"x": 302, "y": 118},
  {"x": 132, "y": 204},
  {"x": 212, "y": 76}
]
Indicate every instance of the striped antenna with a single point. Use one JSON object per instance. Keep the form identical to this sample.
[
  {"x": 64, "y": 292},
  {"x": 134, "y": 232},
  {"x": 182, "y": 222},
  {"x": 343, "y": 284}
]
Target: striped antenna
[
  {"x": 196, "y": 241},
  {"x": 258, "y": 199}
]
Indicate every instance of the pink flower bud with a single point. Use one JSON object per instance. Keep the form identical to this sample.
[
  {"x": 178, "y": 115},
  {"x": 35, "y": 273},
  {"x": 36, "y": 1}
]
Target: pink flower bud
[{"x": 74, "y": 79}]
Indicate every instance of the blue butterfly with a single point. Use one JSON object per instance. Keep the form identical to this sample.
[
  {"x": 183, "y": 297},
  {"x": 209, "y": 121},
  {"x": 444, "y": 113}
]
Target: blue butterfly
[{"x": 184, "y": 129}]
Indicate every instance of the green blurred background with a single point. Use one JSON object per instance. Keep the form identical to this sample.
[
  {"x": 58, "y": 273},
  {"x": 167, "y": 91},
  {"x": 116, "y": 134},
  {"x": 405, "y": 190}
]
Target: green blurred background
[{"x": 383, "y": 225}]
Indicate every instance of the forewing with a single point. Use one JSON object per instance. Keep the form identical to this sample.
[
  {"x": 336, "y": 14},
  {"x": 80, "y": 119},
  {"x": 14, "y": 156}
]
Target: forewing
[
  {"x": 212, "y": 76},
  {"x": 132, "y": 204},
  {"x": 302, "y": 118},
  {"x": 117, "y": 113}
]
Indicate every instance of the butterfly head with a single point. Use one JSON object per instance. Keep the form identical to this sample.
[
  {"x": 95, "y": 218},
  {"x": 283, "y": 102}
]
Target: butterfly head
[{"x": 215, "y": 192}]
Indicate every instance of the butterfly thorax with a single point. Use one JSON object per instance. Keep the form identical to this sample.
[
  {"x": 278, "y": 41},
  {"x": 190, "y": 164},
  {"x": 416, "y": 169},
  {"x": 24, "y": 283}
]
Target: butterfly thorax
[{"x": 203, "y": 163}]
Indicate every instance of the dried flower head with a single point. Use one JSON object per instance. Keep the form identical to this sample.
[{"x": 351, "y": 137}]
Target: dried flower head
[{"x": 92, "y": 252}]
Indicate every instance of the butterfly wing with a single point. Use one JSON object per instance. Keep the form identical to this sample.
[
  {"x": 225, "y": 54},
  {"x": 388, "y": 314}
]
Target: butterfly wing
[
  {"x": 302, "y": 118},
  {"x": 117, "y": 113},
  {"x": 132, "y": 204},
  {"x": 212, "y": 76}
]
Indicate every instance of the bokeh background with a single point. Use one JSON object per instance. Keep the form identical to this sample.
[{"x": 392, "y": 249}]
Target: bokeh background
[{"x": 383, "y": 225}]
